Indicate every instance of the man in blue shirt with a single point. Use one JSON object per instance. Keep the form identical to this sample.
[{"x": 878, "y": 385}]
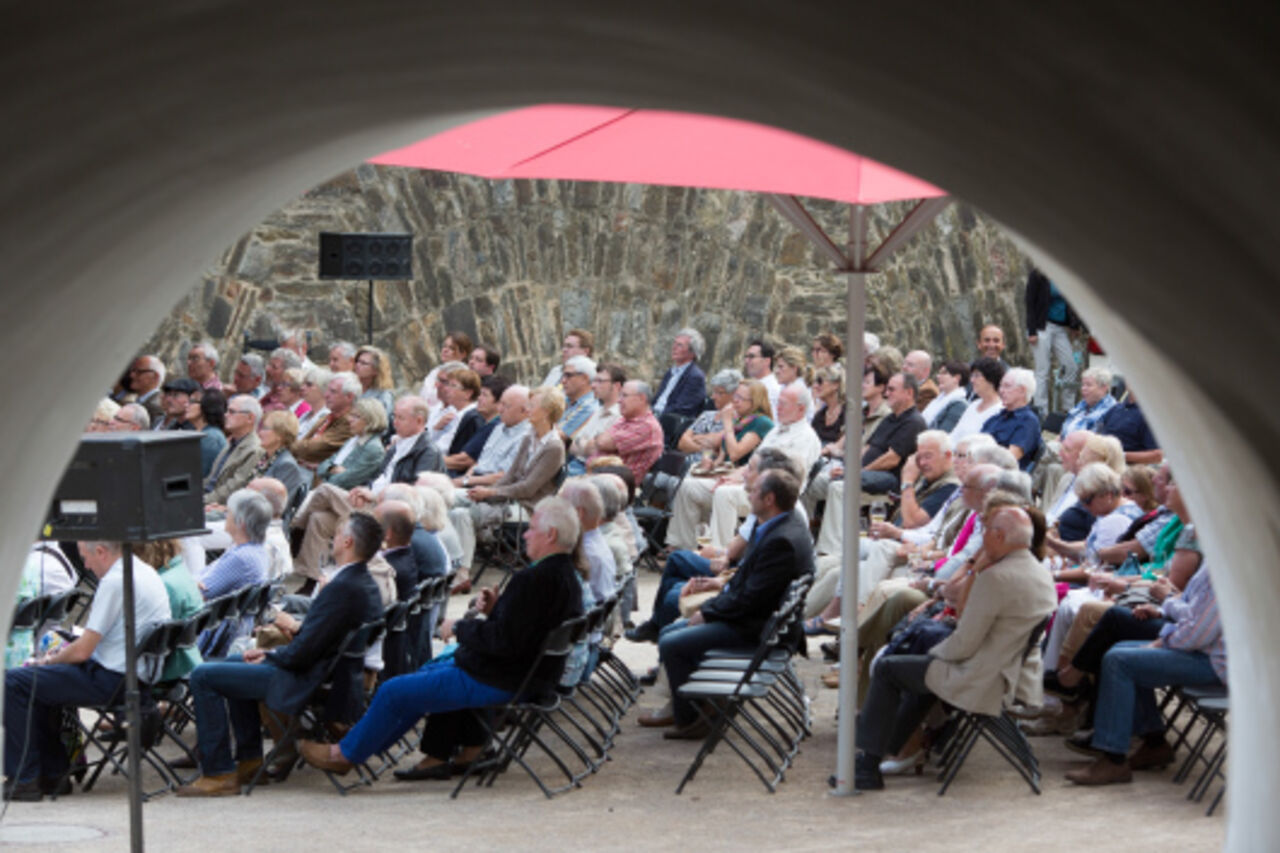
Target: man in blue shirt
[
  {"x": 1017, "y": 427},
  {"x": 1126, "y": 422},
  {"x": 580, "y": 401}
]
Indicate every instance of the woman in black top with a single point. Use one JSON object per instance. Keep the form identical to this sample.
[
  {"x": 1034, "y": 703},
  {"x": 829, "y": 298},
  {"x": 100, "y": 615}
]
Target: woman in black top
[{"x": 828, "y": 387}]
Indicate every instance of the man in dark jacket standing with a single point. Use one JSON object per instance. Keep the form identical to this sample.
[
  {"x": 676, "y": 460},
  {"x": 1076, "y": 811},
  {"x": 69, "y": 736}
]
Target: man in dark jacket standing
[
  {"x": 779, "y": 551},
  {"x": 494, "y": 655},
  {"x": 227, "y": 692}
]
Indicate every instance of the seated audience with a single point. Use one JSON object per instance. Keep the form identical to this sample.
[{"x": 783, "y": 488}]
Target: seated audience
[
  {"x": 1126, "y": 422},
  {"x": 146, "y": 377},
  {"x": 463, "y": 454},
  {"x": 826, "y": 351},
  {"x": 757, "y": 364},
  {"x": 919, "y": 364},
  {"x": 185, "y": 599},
  {"x": 103, "y": 414},
  {"x": 175, "y": 401},
  {"x": 484, "y": 360},
  {"x": 131, "y": 417},
  {"x": 245, "y": 563},
  {"x": 202, "y": 366},
  {"x": 459, "y": 421},
  {"x": 342, "y": 357},
  {"x": 280, "y": 361},
  {"x": 530, "y": 478},
  {"x": 792, "y": 371},
  {"x": 315, "y": 382},
  {"x": 290, "y": 393},
  {"x": 576, "y": 380},
  {"x": 247, "y": 377},
  {"x": 576, "y": 342},
  {"x": 706, "y": 432}
]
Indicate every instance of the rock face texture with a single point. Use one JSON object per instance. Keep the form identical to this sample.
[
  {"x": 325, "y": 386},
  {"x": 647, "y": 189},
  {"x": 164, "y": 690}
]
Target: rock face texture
[{"x": 515, "y": 263}]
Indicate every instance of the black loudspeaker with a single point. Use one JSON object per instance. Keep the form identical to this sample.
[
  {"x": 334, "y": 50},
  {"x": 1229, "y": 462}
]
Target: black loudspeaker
[
  {"x": 130, "y": 487},
  {"x": 366, "y": 257}
]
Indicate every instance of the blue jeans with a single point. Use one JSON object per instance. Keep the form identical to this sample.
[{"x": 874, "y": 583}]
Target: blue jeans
[
  {"x": 879, "y": 482},
  {"x": 437, "y": 687},
  {"x": 1126, "y": 702},
  {"x": 681, "y": 647},
  {"x": 54, "y": 686},
  {"x": 680, "y": 567},
  {"x": 226, "y": 694}
]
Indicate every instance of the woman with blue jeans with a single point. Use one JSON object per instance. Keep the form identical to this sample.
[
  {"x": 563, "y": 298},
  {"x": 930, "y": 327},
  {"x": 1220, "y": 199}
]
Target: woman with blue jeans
[{"x": 1189, "y": 651}]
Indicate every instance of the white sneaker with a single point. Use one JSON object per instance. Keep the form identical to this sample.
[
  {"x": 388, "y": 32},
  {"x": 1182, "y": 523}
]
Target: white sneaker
[{"x": 900, "y": 766}]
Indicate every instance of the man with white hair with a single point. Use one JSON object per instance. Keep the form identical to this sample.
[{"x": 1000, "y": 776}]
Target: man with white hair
[
  {"x": 576, "y": 378},
  {"x": 131, "y": 417},
  {"x": 920, "y": 365},
  {"x": 978, "y": 666},
  {"x": 636, "y": 437},
  {"x": 342, "y": 357},
  {"x": 295, "y": 340},
  {"x": 1095, "y": 401},
  {"x": 86, "y": 671},
  {"x": 247, "y": 561},
  {"x": 584, "y": 497},
  {"x": 1017, "y": 427},
  {"x": 793, "y": 435},
  {"x": 146, "y": 376},
  {"x": 202, "y": 365},
  {"x": 683, "y": 388},
  {"x": 280, "y": 360},
  {"x": 248, "y": 375},
  {"x": 327, "y": 436},
  {"x": 493, "y": 656},
  {"x": 503, "y": 443},
  {"x": 237, "y": 463}
]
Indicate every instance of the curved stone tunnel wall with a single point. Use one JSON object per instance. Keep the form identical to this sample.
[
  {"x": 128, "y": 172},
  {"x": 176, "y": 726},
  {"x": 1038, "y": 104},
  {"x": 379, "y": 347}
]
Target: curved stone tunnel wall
[{"x": 517, "y": 262}]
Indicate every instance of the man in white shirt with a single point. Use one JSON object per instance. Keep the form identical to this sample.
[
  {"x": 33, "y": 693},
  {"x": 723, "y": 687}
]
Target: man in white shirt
[
  {"x": 607, "y": 387},
  {"x": 793, "y": 435},
  {"x": 86, "y": 671}
]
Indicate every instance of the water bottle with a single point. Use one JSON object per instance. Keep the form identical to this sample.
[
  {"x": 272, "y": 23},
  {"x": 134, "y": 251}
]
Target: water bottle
[{"x": 1130, "y": 566}]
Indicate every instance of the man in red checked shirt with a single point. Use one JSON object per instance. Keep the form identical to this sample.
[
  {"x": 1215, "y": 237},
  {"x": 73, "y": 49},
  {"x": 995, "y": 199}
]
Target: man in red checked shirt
[{"x": 636, "y": 436}]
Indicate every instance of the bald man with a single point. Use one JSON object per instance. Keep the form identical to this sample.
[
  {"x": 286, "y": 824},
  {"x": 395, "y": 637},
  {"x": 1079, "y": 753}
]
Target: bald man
[{"x": 920, "y": 365}]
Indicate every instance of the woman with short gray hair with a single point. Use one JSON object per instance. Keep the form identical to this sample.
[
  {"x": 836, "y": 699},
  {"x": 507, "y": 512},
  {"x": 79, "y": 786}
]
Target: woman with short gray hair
[
  {"x": 246, "y": 562},
  {"x": 314, "y": 381},
  {"x": 359, "y": 459},
  {"x": 706, "y": 430},
  {"x": 1095, "y": 401}
]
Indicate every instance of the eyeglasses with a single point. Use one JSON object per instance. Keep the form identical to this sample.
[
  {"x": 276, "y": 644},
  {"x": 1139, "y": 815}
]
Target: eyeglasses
[
  {"x": 238, "y": 412},
  {"x": 133, "y": 370},
  {"x": 567, "y": 374}
]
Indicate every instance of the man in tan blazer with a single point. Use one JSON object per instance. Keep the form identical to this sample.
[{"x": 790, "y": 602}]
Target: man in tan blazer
[
  {"x": 236, "y": 465},
  {"x": 976, "y": 668}
]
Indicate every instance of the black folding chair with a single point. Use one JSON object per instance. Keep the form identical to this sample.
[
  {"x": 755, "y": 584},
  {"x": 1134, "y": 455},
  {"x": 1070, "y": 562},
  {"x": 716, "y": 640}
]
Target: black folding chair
[
  {"x": 1001, "y": 731},
  {"x": 108, "y": 731},
  {"x": 673, "y": 426},
  {"x": 524, "y": 714},
  {"x": 652, "y": 507},
  {"x": 725, "y": 701},
  {"x": 504, "y": 546}
]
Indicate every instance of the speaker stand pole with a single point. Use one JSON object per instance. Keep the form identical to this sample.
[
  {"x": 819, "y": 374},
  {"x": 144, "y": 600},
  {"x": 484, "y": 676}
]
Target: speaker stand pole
[
  {"x": 370, "y": 317},
  {"x": 133, "y": 714}
]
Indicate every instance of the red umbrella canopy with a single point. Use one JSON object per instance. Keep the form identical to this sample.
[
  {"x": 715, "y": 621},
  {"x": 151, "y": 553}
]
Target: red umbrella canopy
[{"x": 586, "y": 143}]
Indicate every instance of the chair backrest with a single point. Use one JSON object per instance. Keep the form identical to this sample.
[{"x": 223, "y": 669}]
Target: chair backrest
[
  {"x": 672, "y": 463},
  {"x": 29, "y": 613},
  {"x": 155, "y": 647},
  {"x": 1037, "y": 633},
  {"x": 61, "y": 604},
  {"x": 396, "y": 616},
  {"x": 673, "y": 426},
  {"x": 358, "y": 640},
  {"x": 296, "y": 498}
]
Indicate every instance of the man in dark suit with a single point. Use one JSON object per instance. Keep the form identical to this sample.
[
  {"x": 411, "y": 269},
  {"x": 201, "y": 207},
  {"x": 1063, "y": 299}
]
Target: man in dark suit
[
  {"x": 683, "y": 389},
  {"x": 493, "y": 657},
  {"x": 227, "y": 692},
  {"x": 779, "y": 551},
  {"x": 397, "y": 519}
]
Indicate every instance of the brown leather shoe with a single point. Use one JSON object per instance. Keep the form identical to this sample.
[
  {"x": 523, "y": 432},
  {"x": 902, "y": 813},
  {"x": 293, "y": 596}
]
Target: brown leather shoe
[
  {"x": 317, "y": 755},
  {"x": 246, "y": 770},
  {"x": 1104, "y": 771},
  {"x": 658, "y": 718},
  {"x": 694, "y": 731},
  {"x": 831, "y": 679},
  {"x": 1152, "y": 757},
  {"x": 221, "y": 785}
]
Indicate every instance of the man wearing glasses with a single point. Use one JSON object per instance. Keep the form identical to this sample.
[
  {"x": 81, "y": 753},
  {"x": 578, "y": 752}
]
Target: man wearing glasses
[
  {"x": 146, "y": 375},
  {"x": 607, "y": 388},
  {"x": 580, "y": 400},
  {"x": 235, "y": 465},
  {"x": 758, "y": 364}
]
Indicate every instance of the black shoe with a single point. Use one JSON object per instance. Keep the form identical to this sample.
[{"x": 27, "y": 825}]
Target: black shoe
[
  {"x": 56, "y": 786},
  {"x": 23, "y": 792},
  {"x": 419, "y": 774},
  {"x": 649, "y": 679},
  {"x": 1054, "y": 686},
  {"x": 866, "y": 773},
  {"x": 645, "y": 632},
  {"x": 830, "y": 651}
]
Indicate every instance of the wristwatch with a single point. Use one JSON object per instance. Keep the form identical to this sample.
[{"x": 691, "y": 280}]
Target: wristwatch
[
  {"x": 906, "y": 486},
  {"x": 466, "y": 481}
]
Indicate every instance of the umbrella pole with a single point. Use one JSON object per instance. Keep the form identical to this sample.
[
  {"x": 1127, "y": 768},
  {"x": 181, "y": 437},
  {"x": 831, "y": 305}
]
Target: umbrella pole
[
  {"x": 855, "y": 312},
  {"x": 133, "y": 715}
]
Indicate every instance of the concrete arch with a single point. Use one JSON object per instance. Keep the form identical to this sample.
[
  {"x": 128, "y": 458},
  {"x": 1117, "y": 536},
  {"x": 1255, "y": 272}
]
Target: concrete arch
[{"x": 1134, "y": 154}]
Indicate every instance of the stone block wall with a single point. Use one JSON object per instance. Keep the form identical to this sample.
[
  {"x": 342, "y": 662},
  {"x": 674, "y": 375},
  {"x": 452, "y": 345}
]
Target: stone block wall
[{"x": 515, "y": 263}]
